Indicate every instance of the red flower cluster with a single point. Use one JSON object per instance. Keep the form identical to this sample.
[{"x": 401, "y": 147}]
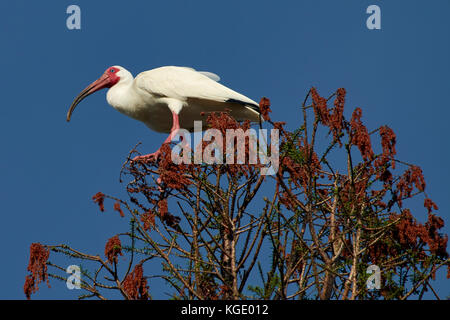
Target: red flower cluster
[
  {"x": 99, "y": 198},
  {"x": 429, "y": 204},
  {"x": 360, "y": 136},
  {"x": 354, "y": 194},
  {"x": 412, "y": 177},
  {"x": 436, "y": 241},
  {"x": 336, "y": 123},
  {"x": 37, "y": 265},
  {"x": 113, "y": 248},
  {"x": 163, "y": 207},
  {"x": 287, "y": 200},
  {"x": 118, "y": 209},
  {"x": 171, "y": 174},
  {"x": 410, "y": 233},
  {"x": 301, "y": 172},
  {"x": 388, "y": 140},
  {"x": 168, "y": 218},
  {"x": 320, "y": 107},
  {"x": 407, "y": 229},
  {"x": 135, "y": 284},
  {"x": 264, "y": 108},
  {"x": 222, "y": 121},
  {"x": 148, "y": 219},
  {"x": 334, "y": 118}
]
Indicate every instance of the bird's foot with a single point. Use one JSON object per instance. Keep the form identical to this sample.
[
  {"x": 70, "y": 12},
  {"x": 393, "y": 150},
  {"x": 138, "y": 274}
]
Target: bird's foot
[{"x": 148, "y": 157}]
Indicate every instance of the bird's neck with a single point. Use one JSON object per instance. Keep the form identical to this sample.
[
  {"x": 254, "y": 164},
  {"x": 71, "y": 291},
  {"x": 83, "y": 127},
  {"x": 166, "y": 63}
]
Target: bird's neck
[{"x": 124, "y": 98}]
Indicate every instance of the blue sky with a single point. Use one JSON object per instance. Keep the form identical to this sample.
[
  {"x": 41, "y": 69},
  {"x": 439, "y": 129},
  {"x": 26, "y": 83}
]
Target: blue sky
[{"x": 398, "y": 75}]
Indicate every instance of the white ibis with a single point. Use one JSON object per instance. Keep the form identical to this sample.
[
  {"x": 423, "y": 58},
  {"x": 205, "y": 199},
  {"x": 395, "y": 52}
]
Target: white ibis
[{"x": 157, "y": 96}]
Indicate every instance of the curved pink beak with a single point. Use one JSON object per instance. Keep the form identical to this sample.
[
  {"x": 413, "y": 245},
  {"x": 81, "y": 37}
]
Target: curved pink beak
[{"x": 103, "y": 82}]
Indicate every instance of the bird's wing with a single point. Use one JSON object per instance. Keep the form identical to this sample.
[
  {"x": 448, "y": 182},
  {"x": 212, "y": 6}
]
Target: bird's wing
[
  {"x": 184, "y": 83},
  {"x": 210, "y": 75}
]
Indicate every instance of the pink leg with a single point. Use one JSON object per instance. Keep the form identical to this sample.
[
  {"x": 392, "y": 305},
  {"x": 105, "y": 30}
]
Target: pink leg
[{"x": 173, "y": 132}]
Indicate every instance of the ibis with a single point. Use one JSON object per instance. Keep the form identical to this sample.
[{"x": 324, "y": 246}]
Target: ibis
[{"x": 168, "y": 98}]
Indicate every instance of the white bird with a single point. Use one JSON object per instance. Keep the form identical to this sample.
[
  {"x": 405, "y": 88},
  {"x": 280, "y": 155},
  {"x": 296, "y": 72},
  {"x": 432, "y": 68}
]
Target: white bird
[{"x": 169, "y": 98}]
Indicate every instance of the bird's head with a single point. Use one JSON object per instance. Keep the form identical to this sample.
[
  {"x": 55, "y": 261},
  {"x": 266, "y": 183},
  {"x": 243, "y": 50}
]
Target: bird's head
[{"x": 109, "y": 78}]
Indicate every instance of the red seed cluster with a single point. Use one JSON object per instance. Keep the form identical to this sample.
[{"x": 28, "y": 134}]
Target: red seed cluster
[
  {"x": 320, "y": 107},
  {"x": 113, "y": 248},
  {"x": 264, "y": 107},
  {"x": 430, "y": 205},
  {"x": 410, "y": 178},
  {"x": 99, "y": 198},
  {"x": 168, "y": 218},
  {"x": 411, "y": 233},
  {"x": 388, "y": 140},
  {"x": 171, "y": 174},
  {"x": 333, "y": 118},
  {"x": 222, "y": 122},
  {"x": 148, "y": 219},
  {"x": 37, "y": 265},
  {"x": 135, "y": 284},
  {"x": 360, "y": 136},
  {"x": 118, "y": 209}
]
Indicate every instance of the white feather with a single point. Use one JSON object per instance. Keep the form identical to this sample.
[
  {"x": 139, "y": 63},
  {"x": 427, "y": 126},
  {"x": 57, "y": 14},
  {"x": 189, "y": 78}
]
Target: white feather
[
  {"x": 183, "y": 83},
  {"x": 210, "y": 75}
]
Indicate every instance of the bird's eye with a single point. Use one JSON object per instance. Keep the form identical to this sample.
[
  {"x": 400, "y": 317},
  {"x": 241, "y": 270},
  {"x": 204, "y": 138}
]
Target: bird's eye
[{"x": 112, "y": 70}]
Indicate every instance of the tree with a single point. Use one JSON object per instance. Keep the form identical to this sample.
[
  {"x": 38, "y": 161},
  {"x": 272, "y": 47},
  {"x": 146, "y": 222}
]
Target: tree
[{"x": 334, "y": 207}]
